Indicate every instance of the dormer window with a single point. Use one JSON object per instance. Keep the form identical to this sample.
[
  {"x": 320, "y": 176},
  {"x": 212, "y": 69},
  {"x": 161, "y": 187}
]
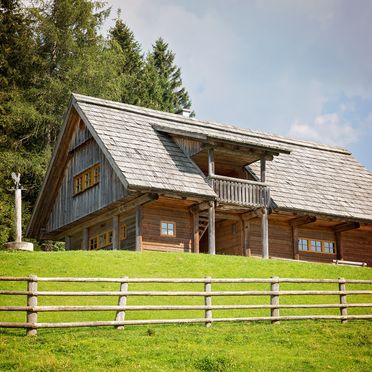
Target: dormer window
[{"x": 86, "y": 179}]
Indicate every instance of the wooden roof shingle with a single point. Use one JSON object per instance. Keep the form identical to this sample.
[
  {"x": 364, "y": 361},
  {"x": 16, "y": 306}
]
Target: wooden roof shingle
[{"x": 314, "y": 177}]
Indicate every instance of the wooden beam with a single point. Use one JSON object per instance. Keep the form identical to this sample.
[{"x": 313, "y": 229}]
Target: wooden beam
[
  {"x": 296, "y": 253},
  {"x": 295, "y": 223},
  {"x": 339, "y": 246},
  {"x": 199, "y": 207},
  {"x": 85, "y": 242},
  {"x": 228, "y": 216},
  {"x": 98, "y": 217},
  {"x": 195, "y": 219},
  {"x": 211, "y": 229},
  {"x": 115, "y": 233},
  {"x": 252, "y": 214},
  {"x": 141, "y": 200},
  {"x": 263, "y": 170},
  {"x": 139, "y": 228},
  {"x": 247, "y": 235},
  {"x": 210, "y": 162},
  {"x": 68, "y": 246},
  {"x": 346, "y": 226},
  {"x": 265, "y": 234},
  {"x": 302, "y": 220}
]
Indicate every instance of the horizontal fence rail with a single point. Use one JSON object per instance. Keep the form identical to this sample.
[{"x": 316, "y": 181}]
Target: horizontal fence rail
[
  {"x": 240, "y": 192},
  {"x": 274, "y": 293}
]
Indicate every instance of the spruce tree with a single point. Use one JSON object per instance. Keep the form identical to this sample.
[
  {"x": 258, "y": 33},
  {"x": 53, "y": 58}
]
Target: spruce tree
[
  {"x": 174, "y": 96},
  {"x": 132, "y": 63}
]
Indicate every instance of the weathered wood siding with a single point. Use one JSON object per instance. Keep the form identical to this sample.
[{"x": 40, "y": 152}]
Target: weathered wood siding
[
  {"x": 153, "y": 214},
  {"x": 317, "y": 234},
  {"x": 357, "y": 245},
  {"x": 68, "y": 208},
  {"x": 188, "y": 146},
  {"x": 127, "y": 218},
  {"x": 228, "y": 237},
  {"x": 280, "y": 238}
]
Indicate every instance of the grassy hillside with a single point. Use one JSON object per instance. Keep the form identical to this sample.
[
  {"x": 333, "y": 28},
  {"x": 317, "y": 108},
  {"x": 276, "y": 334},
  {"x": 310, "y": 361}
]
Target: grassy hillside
[{"x": 260, "y": 346}]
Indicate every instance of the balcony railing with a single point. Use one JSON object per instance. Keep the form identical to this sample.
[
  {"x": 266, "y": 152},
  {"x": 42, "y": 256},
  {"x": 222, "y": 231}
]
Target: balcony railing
[{"x": 240, "y": 192}]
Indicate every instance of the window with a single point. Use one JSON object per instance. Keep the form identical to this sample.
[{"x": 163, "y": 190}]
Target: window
[
  {"x": 86, "y": 179},
  {"x": 93, "y": 243},
  {"x": 316, "y": 246},
  {"x": 167, "y": 228},
  {"x": 104, "y": 239},
  {"x": 123, "y": 232},
  {"x": 101, "y": 241}
]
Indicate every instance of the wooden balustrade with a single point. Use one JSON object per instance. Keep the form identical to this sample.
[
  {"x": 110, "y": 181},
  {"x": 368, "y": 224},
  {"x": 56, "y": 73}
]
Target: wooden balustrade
[
  {"x": 240, "y": 192},
  {"x": 274, "y": 307}
]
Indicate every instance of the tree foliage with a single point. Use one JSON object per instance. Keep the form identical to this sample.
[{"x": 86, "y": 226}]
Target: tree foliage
[{"x": 50, "y": 49}]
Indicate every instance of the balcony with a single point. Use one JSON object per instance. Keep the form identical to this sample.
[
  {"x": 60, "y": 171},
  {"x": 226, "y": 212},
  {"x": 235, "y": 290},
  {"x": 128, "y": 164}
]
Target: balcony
[{"x": 240, "y": 192}]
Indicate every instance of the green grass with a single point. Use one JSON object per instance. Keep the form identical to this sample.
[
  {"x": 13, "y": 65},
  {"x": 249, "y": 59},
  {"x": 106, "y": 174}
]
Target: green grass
[{"x": 306, "y": 345}]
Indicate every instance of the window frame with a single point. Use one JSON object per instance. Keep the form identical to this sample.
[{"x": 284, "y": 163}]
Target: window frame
[
  {"x": 167, "y": 228},
  {"x": 309, "y": 245},
  {"x": 123, "y": 234},
  {"x": 86, "y": 179}
]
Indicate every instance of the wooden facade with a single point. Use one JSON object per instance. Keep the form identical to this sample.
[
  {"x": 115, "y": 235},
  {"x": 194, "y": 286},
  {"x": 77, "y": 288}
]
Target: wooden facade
[{"x": 129, "y": 178}]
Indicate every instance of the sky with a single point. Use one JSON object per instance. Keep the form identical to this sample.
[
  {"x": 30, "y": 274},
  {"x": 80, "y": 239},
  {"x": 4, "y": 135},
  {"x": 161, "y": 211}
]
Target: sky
[{"x": 298, "y": 68}]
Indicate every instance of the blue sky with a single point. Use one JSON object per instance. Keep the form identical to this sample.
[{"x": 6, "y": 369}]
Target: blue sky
[{"x": 299, "y": 68}]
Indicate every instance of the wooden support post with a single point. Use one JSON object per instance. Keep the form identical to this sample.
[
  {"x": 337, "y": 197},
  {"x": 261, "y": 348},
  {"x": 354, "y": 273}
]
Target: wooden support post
[
  {"x": 85, "y": 244},
  {"x": 295, "y": 223},
  {"x": 242, "y": 236},
  {"x": 32, "y": 301},
  {"x": 342, "y": 288},
  {"x": 339, "y": 247},
  {"x": 265, "y": 234},
  {"x": 247, "y": 232},
  {"x": 263, "y": 170},
  {"x": 139, "y": 229},
  {"x": 274, "y": 298},
  {"x": 208, "y": 301},
  {"x": 68, "y": 245},
  {"x": 211, "y": 229},
  {"x": 195, "y": 217},
  {"x": 210, "y": 162},
  {"x": 296, "y": 254},
  {"x": 120, "y": 315},
  {"x": 115, "y": 233}
]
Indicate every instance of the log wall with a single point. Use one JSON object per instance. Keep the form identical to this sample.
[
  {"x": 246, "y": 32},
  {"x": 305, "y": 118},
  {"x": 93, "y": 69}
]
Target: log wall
[
  {"x": 228, "y": 237},
  {"x": 357, "y": 245},
  {"x": 153, "y": 214},
  {"x": 280, "y": 238},
  {"x": 68, "y": 207}
]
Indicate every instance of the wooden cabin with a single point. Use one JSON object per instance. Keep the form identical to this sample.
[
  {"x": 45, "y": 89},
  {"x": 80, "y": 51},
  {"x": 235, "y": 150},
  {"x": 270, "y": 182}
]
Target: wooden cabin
[{"x": 125, "y": 177}]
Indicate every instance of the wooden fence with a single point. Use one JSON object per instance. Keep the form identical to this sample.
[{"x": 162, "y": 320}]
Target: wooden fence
[{"x": 274, "y": 294}]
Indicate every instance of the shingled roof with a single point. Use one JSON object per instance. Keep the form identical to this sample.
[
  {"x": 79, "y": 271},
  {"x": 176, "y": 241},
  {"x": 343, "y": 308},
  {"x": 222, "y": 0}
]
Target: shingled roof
[{"x": 313, "y": 177}]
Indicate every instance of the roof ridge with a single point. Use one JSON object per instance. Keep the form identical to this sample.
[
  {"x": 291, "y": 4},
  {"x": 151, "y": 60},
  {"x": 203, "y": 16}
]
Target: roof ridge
[{"x": 213, "y": 125}]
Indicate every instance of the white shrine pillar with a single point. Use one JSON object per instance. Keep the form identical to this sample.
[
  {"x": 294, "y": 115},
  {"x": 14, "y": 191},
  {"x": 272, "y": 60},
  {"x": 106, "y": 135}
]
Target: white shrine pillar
[{"x": 18, "y": 243}]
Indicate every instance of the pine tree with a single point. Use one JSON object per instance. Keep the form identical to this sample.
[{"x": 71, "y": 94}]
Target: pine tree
[{"x": 174, "y": 96}]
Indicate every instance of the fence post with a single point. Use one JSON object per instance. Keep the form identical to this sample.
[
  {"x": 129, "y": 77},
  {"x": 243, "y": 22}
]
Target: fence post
[
  {"x": 32, "y": 302},
  {"x": 208, "y": 301},
  {"x": 120, "y": 315},
  {"x": 342, "y": 288},
  {"x": 274, "y": 298}
]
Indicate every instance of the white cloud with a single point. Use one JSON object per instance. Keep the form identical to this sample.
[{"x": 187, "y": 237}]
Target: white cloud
[{"x": 328, "y": 129}]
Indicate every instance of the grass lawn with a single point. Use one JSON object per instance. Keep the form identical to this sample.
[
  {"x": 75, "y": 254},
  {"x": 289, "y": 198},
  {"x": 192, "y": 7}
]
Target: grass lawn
[{"x": 305, "y": 345}]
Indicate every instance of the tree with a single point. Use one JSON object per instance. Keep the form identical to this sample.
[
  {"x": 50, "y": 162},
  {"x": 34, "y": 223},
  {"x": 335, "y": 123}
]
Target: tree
[
  {"x": 132, "y": 64},
  {"x": 174, "y": 96}
]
